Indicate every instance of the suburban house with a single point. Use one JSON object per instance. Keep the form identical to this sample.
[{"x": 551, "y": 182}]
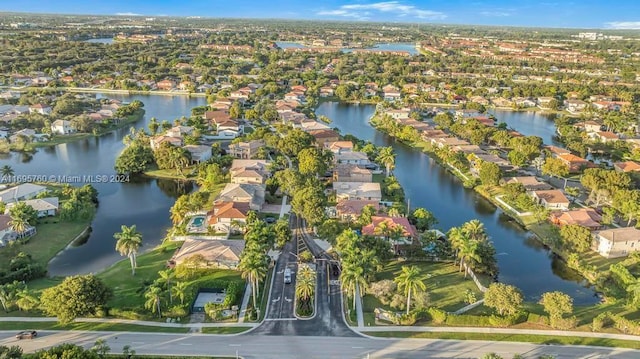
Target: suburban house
[
  {"x": 166, "y": 85},
  {"x": 199, "y": 153},
  {"x": 405, "y": 236},
  {"x": 442, "y": 142},
  {"x": 219, "y": 254},
  {"x": 7, "y": 234},
  {"x": 575, "y": 163},
  {"x": 575, "y": 106},
  {"x": 350, "y": 210},
  {"x": 604, "y": 136},
  {"x": 356, "y": 158},
  {"x": 40, "y": 108},
  {"x": 401, "y": 114},
  {"x": 555, "y": 150},
  {"x": 62, "y": 127},
  {"x": 245, "y": 150},
  {"x": 226, "y": 215},
  {"x": 21, "y": 192},
  {"x": 43, "y": 206},
  {"x": 253, "y": 194},
  {"x": 157, "y": 141},
  {"x": 357, "y": 190},
  {"x": 586, "y": 217},
  {"x": 490, "y": 157},
  {"x": 179, "y": 131},
  {"x": 351, "y": 173},
  {"x": 551, "y": 199},
  {"x": 589, "y": 126},
  {"x": 249, "y": 171},
  {"x": 617, "y": 242},
  {"x": 391, "y": 93},
  {"x": 530, "y": 183},
  {"x": 466, "y": 113},
  {"x": 309, "y": 125},
  {"x": 339, "y": 146},
  {"x": 324, "y": 136},
  {"x": 627, "y": 166}
]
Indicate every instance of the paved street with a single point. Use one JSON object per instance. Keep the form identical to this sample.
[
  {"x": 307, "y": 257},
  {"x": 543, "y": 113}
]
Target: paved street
[
  {"x": 308, "y": 347},
  {"x": 280, "y": 319}
]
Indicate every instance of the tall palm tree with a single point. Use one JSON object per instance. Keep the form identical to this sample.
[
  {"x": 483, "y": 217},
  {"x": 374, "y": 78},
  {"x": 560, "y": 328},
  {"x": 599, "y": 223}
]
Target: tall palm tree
[
  {"x": 128, "y": 242},
  {"x": 254, "y": 268},
  {"x": 474, "y": 229},
  {"x": 153, "y": 301},
  {"x": 6, "y": 171},
  {"x": 412, "y": 281},
  {"x": 167, "y": 277},
  {"x": 456, "y": 237},
  {"x": 154, "y": 125},
  {"x": 352, "y": 278},
  {"x": 26, "y": 300},
  {"x": 179, "y": 290},
  {"x": 387, "y": 158},
  {"x": 468, "y": 251},
  {"x": 305, "y": 283}
]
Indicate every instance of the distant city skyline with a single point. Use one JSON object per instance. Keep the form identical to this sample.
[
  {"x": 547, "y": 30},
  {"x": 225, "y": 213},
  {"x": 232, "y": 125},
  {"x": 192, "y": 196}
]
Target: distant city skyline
[{"x": 587, "y": 14}]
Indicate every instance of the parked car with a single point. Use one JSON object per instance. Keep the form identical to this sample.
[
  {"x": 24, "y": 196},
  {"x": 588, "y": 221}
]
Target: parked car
[
  {"x": 270, "y": 220},
  {"x": 335, "y": 270},
  {"x": 27, "y": 334},
  {"x": 287, "y": 276}
]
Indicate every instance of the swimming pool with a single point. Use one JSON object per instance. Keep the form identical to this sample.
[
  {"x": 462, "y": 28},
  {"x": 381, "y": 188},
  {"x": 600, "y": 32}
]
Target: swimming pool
[
  {"x": 197, "y": 221},
  {"x": 197, "y": 224}
]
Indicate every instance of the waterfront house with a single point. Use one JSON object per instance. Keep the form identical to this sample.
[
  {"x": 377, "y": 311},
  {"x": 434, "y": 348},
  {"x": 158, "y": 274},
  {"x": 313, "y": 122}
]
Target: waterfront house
[
  {"x": 44, "y": 207},
  {"x": 575, "y": 106},
  {"x": 350, "y": 209},
  {"x": 617, "y": 242},
  {"x": 351, "y": 173},
  {"x": 339, "y": 146},
  {"x": 441, "y": 142},
  {"x": 199, "y": 153},
  {"x": 627, "y": 166},
  {"x": 157, "y": 141},
  {"x": 21, "y": 192},
  {"x": 225, "y": 215},
  {"x": 253, "y": 194},
  {"x": 585, "y": 217},
  {"x": 245, "y": 150},
  {"x": 555, "y": 150},
  {"x": 551, "y": 199},
  {"x": 530, "y": 183},
  {"x": 604, "y": 136},
  {"x": 588, "y": 126},
  {"x": 353, "y": 157},
  {"x": 466, "y": 113},
  {"x": 575, "y": 163},
  {"x": 324, "y": 136},
  {"x": 217, "y": 254},
  {"x": 62, "y": 127},
  {"x": 357, "y": 190},
  {"x": 398, "y": 114},
  {"x": 384, "y": 227},
  {"x": 179, "y": 131},
  {"x": 309, "y": 125},
  {"x": 7, "y": 234},
  {"x": 166, "y": 85}
]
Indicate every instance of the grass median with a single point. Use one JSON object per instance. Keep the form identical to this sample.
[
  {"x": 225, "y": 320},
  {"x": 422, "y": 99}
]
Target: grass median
[{"x": 107, "y": 327}]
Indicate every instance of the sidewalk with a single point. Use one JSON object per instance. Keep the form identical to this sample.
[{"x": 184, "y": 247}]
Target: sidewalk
[
  {"x": 245, "y": 303},
  {"x": 128, "y": 321},
  {"x": 560, "y": 333},
  {"x": 359, "y": 314}
]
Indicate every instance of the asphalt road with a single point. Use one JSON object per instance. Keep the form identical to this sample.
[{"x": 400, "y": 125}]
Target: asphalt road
[
  {"x": 295, "y": 347},
  {"x": 280, "y": 318}
]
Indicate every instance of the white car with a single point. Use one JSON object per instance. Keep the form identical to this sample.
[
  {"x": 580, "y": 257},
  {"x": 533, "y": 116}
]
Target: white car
[{"x": 287, "y": 276}]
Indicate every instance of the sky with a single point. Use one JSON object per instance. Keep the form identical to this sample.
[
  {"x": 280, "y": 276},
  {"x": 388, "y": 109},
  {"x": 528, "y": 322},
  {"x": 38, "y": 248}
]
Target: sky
[{"x": 596, "y": 14}]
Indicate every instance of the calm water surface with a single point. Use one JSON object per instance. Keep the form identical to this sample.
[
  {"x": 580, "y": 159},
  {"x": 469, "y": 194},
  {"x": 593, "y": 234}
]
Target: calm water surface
[
  {"x": 144, "y": 202},
  {"x": 522, "y": 260}
]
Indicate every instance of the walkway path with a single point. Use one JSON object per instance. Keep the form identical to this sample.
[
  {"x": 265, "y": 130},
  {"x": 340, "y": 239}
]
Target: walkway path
[
  {"x": 359, "y": 314},
  {"x": 128, "y": 321},
  {"x": 245, "y": 303}
]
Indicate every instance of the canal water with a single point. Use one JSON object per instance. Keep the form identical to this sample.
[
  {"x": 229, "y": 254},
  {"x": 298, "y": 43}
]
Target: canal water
[
  {"x": 522, "y": 260},
  {"x": 144, "y": 202}
]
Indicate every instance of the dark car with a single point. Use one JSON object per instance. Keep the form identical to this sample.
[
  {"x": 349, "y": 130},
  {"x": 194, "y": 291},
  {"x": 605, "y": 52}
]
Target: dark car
[
  {"x": 335, "y": 270},
  {"x": 270, "y": 220},
  {"x": 27, "y": 334}
]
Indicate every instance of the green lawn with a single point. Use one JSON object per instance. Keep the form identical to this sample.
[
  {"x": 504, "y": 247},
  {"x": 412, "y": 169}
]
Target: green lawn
[
  {"x": 538, "y": 339},
  {"x": 50, "y": 239},
  {"x": 115, "y": 327},
  {"x": 224, "y": 330},
  {"x": 445, "y": 284},
  {"x": 58, "y": 139},
  {"x": 187, "y": 173}
]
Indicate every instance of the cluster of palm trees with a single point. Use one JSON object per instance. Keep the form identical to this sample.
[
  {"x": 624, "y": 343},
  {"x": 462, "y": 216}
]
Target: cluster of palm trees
[
  {"x": 254, "y": 261},
  {"x": 466, "y": 241},
  {"x": 305, "y": 289},
  {"x": 164, "y": 285},
  {"x": 16, "y": 294},
  {"x": 359, "y": 264}
]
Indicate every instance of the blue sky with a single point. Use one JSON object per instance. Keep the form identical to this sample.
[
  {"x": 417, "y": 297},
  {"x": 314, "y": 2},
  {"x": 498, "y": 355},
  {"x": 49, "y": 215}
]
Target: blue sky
[{"x": 620, "y": 14}]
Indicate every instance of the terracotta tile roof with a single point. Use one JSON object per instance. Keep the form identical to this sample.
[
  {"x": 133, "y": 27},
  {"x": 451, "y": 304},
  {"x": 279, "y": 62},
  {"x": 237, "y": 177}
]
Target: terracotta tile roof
[
  {"x": 232, "y": 210},
  {"x": 628, "y": 166},
  {"x": 408, "y": 229},
  {"x": 585, "y": 217}
]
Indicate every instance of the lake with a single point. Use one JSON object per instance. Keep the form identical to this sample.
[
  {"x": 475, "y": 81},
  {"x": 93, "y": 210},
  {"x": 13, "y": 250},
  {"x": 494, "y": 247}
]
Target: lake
[
  {"x": 522, "y": 260},
  {"x": 106, "y": 40},
  {"x": 144, "y": 202},
  {"x": 529, "y": 123},
  {"x": 399, "y": 46}
]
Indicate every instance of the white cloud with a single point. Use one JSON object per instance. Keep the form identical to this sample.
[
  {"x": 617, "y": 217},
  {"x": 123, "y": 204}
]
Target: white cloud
[
  {"x": 624, "y": 25},
  {"x": 396, "y": 8},
  {"x": 127, "y": 14}
]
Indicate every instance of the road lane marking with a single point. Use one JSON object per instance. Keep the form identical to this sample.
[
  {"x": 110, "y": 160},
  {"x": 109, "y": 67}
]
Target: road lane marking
[
  {"x": 279, "y": 319},
  {"x": 185, "y": 344},
  {"x": 234, "y": 345},
  {"x": 137, "y": 343},
  {"x": 357, "y": 347}
]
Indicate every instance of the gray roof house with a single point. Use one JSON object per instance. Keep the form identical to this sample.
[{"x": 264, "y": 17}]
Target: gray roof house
[{"x": 21, "y": 192}]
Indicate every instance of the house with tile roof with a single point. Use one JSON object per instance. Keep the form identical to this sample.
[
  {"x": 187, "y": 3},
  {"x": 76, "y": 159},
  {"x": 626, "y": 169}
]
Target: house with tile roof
[
  {"x": 225, "y": 216},
  {"x": 212, "y": 253}
]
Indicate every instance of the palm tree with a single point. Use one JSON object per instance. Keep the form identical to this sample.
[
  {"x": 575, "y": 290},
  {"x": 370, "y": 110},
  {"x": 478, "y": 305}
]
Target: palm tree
[
  {"x": 19, "y": 224},
  {"x": 305, "y": 283},
  {"x": 474, "y": 229},
  {"x": 412, "y": 281},
  {"x": 456, "y": 237},
  {"x": 179, "y": 290},
  {"x": 254, "y": 268},
  {"x": 26, "y": 300},
  {"x": 167, "y": 276},
  {"x": 387, "y": 158},
  {"x": 6, "y": 171},
  {"x": 634, "y": 288},
  {"x": 468, "y": 251},
  {"x": 128, "y": 242},
  {"x": 153, "y": 298},
  {"x": 154, "y": 125},
  {"x": 352, "y": 278}
]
